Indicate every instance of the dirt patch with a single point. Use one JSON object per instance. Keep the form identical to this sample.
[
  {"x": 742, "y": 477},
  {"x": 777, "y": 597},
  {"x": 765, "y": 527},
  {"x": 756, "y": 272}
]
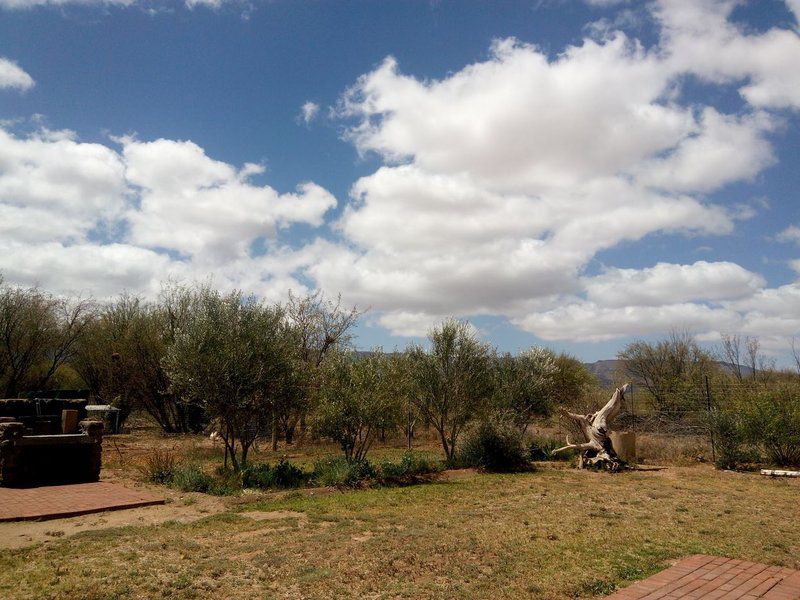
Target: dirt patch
[{"x": 180, "y": 507}]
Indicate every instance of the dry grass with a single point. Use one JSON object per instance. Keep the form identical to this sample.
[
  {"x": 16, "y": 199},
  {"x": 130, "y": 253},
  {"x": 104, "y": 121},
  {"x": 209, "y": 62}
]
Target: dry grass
[{"x": 556, "y": 533}]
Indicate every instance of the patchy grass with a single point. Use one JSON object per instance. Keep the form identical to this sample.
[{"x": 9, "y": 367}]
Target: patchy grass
[{"x": 555, "y": 534}]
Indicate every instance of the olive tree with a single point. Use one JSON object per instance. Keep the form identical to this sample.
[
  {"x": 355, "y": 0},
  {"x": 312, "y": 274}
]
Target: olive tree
[
  {"x": 525, "y": 385},
  {"x": 356, "y": 399},
  {"x": 319, "y": 326},
  {"x": 231, "y": 355},
  {"x": 453, "y": 380}
]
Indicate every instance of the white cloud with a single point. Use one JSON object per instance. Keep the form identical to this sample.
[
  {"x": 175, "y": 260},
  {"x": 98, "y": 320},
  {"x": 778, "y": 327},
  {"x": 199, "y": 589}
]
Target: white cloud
[
  {"x": 672, "y": 284},
  {"x": 699, "y": 39},
  {"x": 50, "y": 183},
  {"x": 82, "y": 217},
  {"x": 795, "y": 265},
  {"x": 12, "y": 76},
  {"x": 308, "y": 112},
  {"x": 500, "y": 184},
  {"x": 587, "y": 321},
  {"x": 504, "y": 179},
  {"x": 790, "y": 234},
  {"x": 199, "y": 206}
]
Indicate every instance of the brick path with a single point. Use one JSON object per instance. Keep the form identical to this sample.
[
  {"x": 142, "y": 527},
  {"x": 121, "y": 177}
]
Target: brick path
[
  {"x": 715, "y": 577},
  {"x": 58, "y": 501}
]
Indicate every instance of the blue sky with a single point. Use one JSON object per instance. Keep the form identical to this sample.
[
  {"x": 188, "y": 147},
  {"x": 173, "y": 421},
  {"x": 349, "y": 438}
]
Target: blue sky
[{"x": 571, "y": 173}]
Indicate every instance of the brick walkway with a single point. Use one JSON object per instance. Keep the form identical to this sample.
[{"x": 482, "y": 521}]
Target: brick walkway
[
  {"x": 58, "y": 501},
  {"x": 711, "y": 577}
]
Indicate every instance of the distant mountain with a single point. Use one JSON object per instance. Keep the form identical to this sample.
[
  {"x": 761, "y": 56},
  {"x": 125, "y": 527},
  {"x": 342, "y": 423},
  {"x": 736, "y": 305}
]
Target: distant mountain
[{"x": 606, "y": 371}]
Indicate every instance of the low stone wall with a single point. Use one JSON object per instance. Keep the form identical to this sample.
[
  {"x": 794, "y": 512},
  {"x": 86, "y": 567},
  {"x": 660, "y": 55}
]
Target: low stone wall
[{"x": 27, "y": 460}]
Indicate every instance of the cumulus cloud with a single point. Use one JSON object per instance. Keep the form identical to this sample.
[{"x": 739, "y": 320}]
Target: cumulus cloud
[
  {"x": 672, "y": 284},
  {"x": 166, "y": 207},
  {"x": 13, "y": 76},
  {"x": 499, "y": 186},
  {"x": 503, "y": 180},
  {"x": 308, "y": 112}
]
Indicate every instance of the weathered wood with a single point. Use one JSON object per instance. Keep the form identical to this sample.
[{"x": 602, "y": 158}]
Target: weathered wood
[
  {"x": 598, "y": 450},
  {"x": 780, "y": 473}
]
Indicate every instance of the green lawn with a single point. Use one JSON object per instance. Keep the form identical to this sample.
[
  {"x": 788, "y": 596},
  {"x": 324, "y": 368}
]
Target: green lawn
[{"x": 555, "y": 533}]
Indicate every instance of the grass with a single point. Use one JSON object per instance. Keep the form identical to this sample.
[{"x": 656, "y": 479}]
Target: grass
[{"x": 557, "y": 533}]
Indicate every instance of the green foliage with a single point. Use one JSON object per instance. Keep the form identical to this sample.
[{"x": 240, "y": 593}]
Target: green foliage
[
  {"x": 541, "y": 448},
  {"x": 159, "y": 467},
  {"x": 771, "y": 420},
  {"x": 192, "y": 479},
  {"x": 495, "y": 445},
  {"x": 282, "y": 475},
  {"x": 39, "y": 336},
  {"x": 572, "y": 380},
  {"x": 524, "y": 385},
  {"x": 730, "y": 441},
  {"x": 232, "y": 355},
  {"x": 413, "y": 464},
  {"x": 356, "y": 399},
  {"x": 340, "y": 472},
  {"x": 453, "y": 381}
]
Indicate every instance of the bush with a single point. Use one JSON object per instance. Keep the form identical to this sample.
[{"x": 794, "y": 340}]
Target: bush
[
  {"x": 730, "y": 441},
  {"x": 159, "y": 467},
  {"x": 411, "y": 465},
  {"x": 541, "y": 448},
  {"x": 192, "y": 479},
  {"x": 340, "y": 472},
  {"x": 282, "y": 475},
  {"x": 494, "y": 445},
  {"x": 771, "y": 420}
]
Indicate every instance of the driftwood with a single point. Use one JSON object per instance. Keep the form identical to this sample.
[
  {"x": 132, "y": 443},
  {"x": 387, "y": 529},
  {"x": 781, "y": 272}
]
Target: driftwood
[{"x": 598, "y": 451}]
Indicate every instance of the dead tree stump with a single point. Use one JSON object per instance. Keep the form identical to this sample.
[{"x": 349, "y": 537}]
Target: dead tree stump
[{"x": 598, "y": 451}]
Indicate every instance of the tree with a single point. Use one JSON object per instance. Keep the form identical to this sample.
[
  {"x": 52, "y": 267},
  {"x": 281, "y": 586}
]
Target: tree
[
  {"x": 121, "y": 358},
  {"x": 453, "y": 381},
  {"x": 357, "y": 399},
  {"x": 670, "y": 370},
  {"x": 38, "y": 335},
  {"x": 743, "y": 357},
  {"x": 320, "y": 326},
  {"x": 231, "y": 355},
  {"x": 525, "y": 385},
  {"x": 572, "y": 380}
]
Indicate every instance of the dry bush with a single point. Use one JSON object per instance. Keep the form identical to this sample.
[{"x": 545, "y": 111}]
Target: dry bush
[{"x": 672, "y": 450}]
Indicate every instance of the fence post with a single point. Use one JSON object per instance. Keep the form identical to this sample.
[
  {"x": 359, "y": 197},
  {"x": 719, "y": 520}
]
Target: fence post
[{"x": 710, "y": 422}]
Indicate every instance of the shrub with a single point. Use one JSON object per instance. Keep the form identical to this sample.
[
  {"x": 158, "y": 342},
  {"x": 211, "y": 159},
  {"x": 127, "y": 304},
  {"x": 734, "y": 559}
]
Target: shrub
[
  {"x": 192, "y": 479},
  {"x": 340, "y": 472},
  {"x": 541, "y": 448},
  {"x": 282, "y": 475},
  {"x": 730, "y": 441},
  {"x": 411, "y": 465},
  {"x": 771, "y": 420},
  {"x": 159, "y": 467},
  {"x": 494, "y": 445}
]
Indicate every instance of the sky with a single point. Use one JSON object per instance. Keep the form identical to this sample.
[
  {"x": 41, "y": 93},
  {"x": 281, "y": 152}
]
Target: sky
[{"x": 569, "y": 173}]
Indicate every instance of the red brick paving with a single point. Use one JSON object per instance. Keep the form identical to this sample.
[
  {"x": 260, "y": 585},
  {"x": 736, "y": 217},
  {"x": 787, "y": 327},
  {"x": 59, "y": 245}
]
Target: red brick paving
[
  {"x": 58, "y": 501},
  {"x": 715, "y": 577}
]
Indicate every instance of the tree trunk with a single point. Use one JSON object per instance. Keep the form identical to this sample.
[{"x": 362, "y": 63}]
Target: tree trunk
[{"x": 598, "y": 451}]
